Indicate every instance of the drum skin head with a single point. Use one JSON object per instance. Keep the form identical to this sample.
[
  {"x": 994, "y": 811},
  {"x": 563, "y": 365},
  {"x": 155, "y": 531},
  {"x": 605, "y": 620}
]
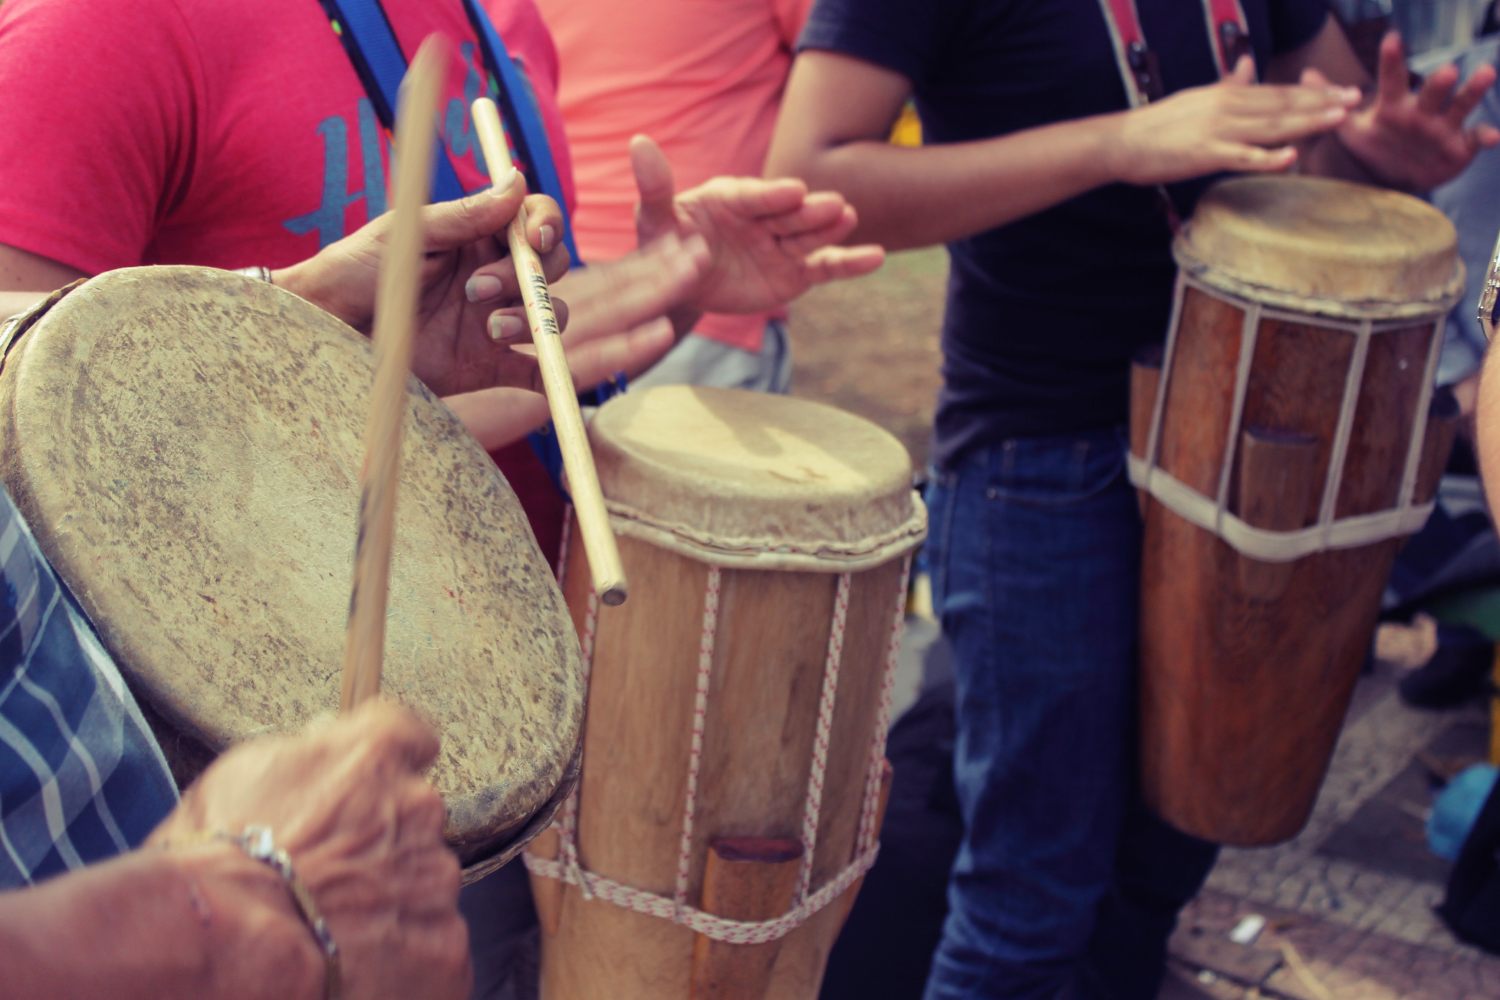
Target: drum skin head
[
  {"x": 186, "y": 446},
  {"x": 1321, "y": 245},
  {"x": 746, "y": 479}
]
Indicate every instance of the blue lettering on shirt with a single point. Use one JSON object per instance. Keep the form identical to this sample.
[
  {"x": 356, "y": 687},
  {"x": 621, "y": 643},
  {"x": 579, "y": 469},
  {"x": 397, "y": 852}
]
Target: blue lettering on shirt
[{"x": 328, "y": 220}]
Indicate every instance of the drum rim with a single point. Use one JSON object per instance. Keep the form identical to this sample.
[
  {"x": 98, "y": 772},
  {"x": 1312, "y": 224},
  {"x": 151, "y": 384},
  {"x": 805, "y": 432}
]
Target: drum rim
[
  {"x": 1215, "y": 277},
  {"x": 548, "y": 779},
  {"x": 1229, "y": 275},
  {"x": 793, "y": 524}
]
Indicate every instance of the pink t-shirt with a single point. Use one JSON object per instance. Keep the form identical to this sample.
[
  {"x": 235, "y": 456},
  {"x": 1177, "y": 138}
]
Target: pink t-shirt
[
  {"x": 215, "y": 132},
  {"x": 227, "y": 133},
  {"x": 702, "y": 79}
]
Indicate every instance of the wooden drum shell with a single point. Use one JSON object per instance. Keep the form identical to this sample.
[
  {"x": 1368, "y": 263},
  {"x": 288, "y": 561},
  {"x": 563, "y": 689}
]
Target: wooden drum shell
[
  {"x": 1244, "y": 688},
  {"x": 769, "y": 651}
]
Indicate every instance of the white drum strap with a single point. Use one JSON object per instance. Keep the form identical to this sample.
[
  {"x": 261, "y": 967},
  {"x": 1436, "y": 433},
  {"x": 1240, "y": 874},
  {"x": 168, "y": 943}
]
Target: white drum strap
[
  {"x": 1330, "y": 532},
  {"x": 568, "y": 868}
]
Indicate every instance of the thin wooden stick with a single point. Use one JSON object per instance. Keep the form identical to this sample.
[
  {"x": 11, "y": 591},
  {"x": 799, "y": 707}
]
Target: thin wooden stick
[
  {"x": 557, "y": 379},
  {"x": 395, "y": 326}
]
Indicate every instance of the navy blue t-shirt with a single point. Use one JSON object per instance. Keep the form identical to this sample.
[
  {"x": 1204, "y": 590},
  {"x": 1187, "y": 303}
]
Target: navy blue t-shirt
[{"x": 1044, "y": 314}]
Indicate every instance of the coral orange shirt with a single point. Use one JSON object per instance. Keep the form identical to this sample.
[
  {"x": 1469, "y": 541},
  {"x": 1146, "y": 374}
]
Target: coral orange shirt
[{"x": 702, "y": 79}]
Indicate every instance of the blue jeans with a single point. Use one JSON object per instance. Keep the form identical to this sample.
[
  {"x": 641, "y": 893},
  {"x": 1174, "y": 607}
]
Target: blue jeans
[{"x": 1062, "y": 879}]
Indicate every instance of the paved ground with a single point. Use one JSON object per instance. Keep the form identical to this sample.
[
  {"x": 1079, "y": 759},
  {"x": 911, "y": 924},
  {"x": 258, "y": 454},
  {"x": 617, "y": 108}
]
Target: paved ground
[{"x": 1347, "y": 906}]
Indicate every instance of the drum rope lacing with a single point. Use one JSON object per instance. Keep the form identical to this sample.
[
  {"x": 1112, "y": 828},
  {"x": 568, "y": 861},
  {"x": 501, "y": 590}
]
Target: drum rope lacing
[
  {"x": 568, "y": 869},
  {"x": 1330, "y": 532}
]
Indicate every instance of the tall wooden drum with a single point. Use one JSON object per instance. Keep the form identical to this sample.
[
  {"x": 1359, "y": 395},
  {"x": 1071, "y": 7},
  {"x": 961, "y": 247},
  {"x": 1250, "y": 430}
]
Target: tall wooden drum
[
  {"x": 186, "y": 446},
  {"x": 1284, "y": 448},
  {"x": 734, "y": 744}
]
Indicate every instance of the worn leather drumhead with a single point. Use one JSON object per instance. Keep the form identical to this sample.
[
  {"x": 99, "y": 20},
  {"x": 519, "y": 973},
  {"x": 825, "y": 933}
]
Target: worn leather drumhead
[
  {"x": 748, "y": 479},
  {"x": 186, "y": 445},
  {"x": 1324, "y": 246}
]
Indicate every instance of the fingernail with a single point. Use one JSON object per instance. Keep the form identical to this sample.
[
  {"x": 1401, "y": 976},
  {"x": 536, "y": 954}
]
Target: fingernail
[
  {"x": 482, "y": 287},
  {"x": 547, "y": 237},
  {"x": 504, "y": 326},
  {"x": 507, "y": 180},
  {"x": 1335, "y": 114}
]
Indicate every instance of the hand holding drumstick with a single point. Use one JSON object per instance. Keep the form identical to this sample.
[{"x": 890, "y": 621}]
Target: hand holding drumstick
[{"x": 562, "y": 398}]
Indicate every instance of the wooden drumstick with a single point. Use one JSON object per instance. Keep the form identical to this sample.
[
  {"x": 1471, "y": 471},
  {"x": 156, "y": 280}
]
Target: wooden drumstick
[
  {"x": 557, "y": 379},
  {"x": 395, "y": 326}
]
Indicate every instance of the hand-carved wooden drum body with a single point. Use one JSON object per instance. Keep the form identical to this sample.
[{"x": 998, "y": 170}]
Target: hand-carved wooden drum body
[
  {"x": 1285, "y": 447},
  {"x": 186, "y": 445},
  {"x": 734, "y": 745}
]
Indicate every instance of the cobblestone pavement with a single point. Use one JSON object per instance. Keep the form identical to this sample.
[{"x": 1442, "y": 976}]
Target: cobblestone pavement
[{"x": 1347, "y": 909}]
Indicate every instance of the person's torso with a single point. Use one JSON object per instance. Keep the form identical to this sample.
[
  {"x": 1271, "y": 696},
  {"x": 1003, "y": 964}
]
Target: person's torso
[
  {"x": 1043, "y": 314},
  {"x": 286, "y": 153},
  {"x": 701, "y": 77}
]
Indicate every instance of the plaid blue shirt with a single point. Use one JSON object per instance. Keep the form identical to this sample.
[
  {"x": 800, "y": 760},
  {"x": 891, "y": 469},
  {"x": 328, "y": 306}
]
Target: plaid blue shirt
[{"x": 81, "y": 778}]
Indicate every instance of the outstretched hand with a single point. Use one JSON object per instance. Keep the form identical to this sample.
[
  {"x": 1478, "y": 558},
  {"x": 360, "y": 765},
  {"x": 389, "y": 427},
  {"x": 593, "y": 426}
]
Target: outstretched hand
[
  {"x": 768, "y": 240},
  {"x": 1419, "y": 139},
  {"x": 1233, "y": 125}
]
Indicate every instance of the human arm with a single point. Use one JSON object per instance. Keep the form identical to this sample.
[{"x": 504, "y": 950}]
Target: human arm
[
  {"x": 153, "y": 924},
  {"x": 1409, "y": 139},
  {"x": 13, "y": 303},
  {"x": 838, "y": 111},
  {"x": 191, "y": 916},
  {"x": 1487, "y": 428}
]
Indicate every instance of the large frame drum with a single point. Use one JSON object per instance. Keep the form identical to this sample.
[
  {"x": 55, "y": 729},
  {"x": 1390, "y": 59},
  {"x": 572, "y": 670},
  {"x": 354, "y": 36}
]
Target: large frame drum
[
  {"x": 186, "y": 446},
  {"x": 734, "y": 744},
  {"x": 1284, "y": 449}
]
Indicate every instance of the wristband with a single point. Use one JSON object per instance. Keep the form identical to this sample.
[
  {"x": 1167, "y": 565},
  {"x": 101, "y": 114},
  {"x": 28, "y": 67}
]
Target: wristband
[{"x": 259, "y": 844}]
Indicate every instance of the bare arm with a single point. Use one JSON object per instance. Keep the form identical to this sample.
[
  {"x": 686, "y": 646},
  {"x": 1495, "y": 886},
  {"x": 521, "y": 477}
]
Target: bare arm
[
  {"x": 190, "y": 917},
  {"x": 838, "y": 111},
  {"x": 12, "y": 303},
  {"x": 21, "y": 271},
  {"x": 157, "y": 924},
  {"x": 1487, "y": 428}
]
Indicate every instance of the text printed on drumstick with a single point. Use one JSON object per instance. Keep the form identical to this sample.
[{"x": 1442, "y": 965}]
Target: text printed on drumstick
[{"x": 546, "y": 318}]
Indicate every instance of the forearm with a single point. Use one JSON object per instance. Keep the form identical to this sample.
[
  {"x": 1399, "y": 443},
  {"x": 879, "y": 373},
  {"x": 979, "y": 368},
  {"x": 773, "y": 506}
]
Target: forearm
[
  {"x": 1487, "y": 428},
  {"x": 152, "y": 925},
  {"x": 499, "y": 417},
  {"x": 13, "y": 303},
  {"x": 918, "y": 197}
]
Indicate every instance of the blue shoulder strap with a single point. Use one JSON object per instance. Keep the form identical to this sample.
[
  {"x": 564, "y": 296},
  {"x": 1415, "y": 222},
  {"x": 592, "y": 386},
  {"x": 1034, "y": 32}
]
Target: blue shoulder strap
[
  {"x": 372, "y": 47},
  {"x": 519, "y": 109}
]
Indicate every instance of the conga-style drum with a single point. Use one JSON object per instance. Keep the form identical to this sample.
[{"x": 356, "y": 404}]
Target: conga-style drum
[
  {"x": 186, "y": 446},
  {"x": 1285, "y": 445},
  {"x": 734, "y": 744}
]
